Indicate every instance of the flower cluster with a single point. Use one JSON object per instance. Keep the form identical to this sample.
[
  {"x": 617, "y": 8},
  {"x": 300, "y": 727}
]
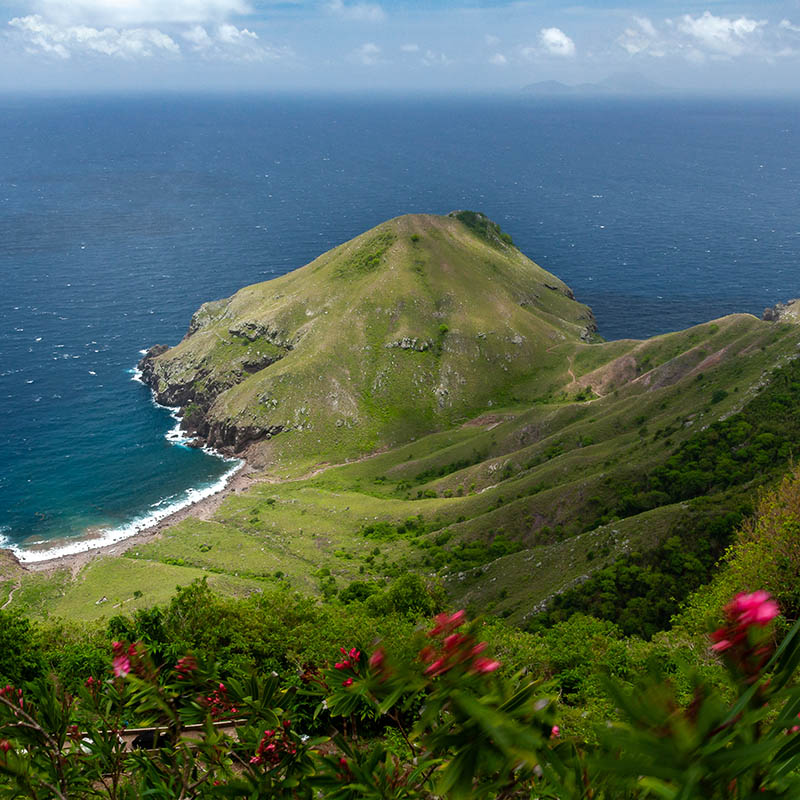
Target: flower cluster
[
  {"x": 218, "y": 703},
  {"x": 350, "y": 663},
  {"x": 454, "y": 648},
  {"x": 121, "y": 660},
  {"x": 275, "y": 744},
  {"x": 12, "y": 695},
  {"x": 742, "y": 639},
  {"x": 185, "y": 667}
]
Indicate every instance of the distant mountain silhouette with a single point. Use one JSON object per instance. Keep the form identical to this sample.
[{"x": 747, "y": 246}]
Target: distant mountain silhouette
[{"x": 618, "y": 83}]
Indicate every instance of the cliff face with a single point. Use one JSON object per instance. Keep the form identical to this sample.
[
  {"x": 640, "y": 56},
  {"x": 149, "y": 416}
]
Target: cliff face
[
  {"x": 783, "y": 312},
  {"x": 406, "y": 329}
]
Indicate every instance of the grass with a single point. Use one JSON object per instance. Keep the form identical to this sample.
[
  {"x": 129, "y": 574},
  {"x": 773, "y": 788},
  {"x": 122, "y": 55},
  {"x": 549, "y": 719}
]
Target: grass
[{"x": 478, "y": 434}]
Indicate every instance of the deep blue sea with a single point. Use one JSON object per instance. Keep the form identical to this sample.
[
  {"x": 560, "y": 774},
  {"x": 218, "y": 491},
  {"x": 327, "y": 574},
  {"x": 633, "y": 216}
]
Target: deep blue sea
[{"x": 119, "y": 217}]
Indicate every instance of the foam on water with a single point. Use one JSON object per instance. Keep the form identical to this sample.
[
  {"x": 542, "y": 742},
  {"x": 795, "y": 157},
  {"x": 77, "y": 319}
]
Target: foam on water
[
  {"x": 161, "y": 509},
  {"x": 114, "y": 535}
]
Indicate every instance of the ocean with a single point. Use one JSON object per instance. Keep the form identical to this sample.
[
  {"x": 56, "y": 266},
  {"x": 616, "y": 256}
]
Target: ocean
[{"x": 120, "y": 216}]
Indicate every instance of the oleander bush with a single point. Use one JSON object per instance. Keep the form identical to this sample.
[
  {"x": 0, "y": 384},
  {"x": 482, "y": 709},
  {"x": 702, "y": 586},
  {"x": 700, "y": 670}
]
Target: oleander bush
[{"x": 441, "y": 719}]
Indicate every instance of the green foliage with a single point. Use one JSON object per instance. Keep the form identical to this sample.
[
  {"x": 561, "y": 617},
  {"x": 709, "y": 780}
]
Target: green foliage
[
  {"x": 407, "y": 596},
  {"x": 368, "y": 257},
  {"x": 443, "y": 719},
  {"x": 20, "y": 658},
  {"x": 483, "y": 227},
  {"x": 641, "y": 592}
]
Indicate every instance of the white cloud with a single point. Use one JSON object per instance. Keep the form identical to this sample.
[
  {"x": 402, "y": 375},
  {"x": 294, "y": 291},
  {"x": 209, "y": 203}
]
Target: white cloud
[
  {"x": 410, "y": 48},
  {"x": 498, "y": 59},
  {"x": 721, "y": 35},
  {"x": 785, "y": 25},
  {"x": 357, "y": 12},
  {"x": 556, "y": 42},
  {"x": 123, "y": 13},
  {"x": 368, "y": 54},
  {"x": 230, "y": 34},
  {"x": 646, "y": 26},
  {"x": 641, "y": 38},
  {"x": 40, "y": 35},
  {"x": 433, "y": 59},
  {"x": 228, "y": 42}
]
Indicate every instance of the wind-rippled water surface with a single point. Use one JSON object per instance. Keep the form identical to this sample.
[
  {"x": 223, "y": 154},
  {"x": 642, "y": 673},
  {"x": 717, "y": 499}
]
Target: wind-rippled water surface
[{"x": 119, "y": 217}]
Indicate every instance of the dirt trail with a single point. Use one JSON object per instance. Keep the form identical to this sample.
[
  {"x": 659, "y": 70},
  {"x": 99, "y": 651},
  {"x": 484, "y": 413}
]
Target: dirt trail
[{"x": 10, "y": 595}]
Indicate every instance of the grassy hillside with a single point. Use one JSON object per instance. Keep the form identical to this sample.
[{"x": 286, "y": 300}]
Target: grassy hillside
[
  {"x": 411, "y": 327},
  {"x": 426, "y": 399}
]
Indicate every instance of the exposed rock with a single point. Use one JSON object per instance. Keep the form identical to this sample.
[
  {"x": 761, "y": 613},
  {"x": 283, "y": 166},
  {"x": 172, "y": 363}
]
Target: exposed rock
[
  {"x": 408, "y": 343},
  {"x": 783, "y": 312},
  {"x": 257, "y": 330}
]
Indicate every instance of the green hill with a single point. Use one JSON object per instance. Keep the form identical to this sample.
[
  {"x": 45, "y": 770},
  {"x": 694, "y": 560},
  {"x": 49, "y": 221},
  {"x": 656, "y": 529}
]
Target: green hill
[
  {"x": 410, "y": 328},
  {"x": 424, "y": 398}
]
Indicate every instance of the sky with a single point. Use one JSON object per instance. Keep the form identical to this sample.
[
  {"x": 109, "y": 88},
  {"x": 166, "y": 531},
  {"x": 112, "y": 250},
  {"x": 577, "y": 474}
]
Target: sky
[{"x": 418, "y": 45}]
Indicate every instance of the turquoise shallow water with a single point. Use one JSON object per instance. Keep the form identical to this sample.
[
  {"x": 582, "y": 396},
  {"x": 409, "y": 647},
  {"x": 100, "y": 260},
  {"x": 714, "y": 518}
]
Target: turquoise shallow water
[{"x": 118, "y": 217}]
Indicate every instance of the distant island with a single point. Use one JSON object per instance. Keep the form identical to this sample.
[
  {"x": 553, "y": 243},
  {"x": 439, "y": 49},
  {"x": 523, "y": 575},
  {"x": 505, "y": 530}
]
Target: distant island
[{"x": 623, "y": 83}]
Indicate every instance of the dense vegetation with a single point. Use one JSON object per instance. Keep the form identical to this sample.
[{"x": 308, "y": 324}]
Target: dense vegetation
[
  {"x": 577, "y": 497},
  {"x": 498, "y": 702}
]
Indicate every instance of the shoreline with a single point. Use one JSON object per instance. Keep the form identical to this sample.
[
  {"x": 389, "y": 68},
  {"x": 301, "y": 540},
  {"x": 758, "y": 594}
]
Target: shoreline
[{"x": 203, "y": 509}]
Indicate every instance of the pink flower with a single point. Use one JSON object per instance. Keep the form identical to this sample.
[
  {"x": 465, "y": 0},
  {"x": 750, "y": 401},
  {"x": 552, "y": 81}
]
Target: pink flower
[
  {"x": 483, "y": 665},
  {"x": 436, "y": 668},
  {"x": 720, "y": 643},
  {"x": 757, "y": 608},
  {"x": 121, "y": 662},
  {"x": 121, "y": 665},
  {"x": 5, "y": 745},
  {"x": 453, "y": 640},
  {"x": 354, "y": 654},
  {"x": 342, "y": 664},
  {"x": 447, "y": 623},
  {"x": 377, "y": 658},
  {"x": 348, "y": 682},
  {"x": 555, "y": 732}
]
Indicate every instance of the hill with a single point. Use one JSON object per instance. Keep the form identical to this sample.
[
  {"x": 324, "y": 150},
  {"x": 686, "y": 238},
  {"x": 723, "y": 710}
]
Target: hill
[
  {"x": 410, "y": 328},
  {"x": 425, "y": 399}
]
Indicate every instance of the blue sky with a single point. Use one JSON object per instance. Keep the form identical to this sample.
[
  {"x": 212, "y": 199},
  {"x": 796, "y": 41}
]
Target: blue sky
[{"x": 395, "y": 44}]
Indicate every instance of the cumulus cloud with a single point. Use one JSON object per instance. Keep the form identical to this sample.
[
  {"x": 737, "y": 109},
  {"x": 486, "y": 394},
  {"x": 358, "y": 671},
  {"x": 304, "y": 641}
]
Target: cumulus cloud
[
  {"x": 721, "y": 35},
  {"x": 142, "y": 28},
  {"x": 697, "y": 38},
  {"x": 228, "y": 42},
  {"x": 357, "y": 12},
  {"x": 122, "y": 13},
  {"x": 368, "y": 54},
  {"x": 498, "y": 59},
  {"x": 642, "y": 37},
  {"x": 556, "y": 42},
  {"x": 66, "y": 41}
]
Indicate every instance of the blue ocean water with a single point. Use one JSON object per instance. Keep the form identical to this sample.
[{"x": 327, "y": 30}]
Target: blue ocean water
[{"x": 118, "y": 217}]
